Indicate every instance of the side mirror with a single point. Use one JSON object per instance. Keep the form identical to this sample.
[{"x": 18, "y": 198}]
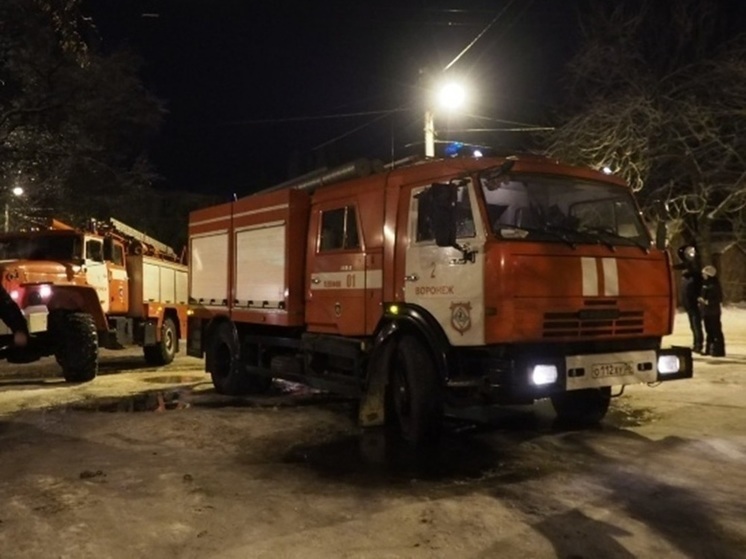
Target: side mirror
[
  {"x": 443, "y": 206},
  {"x": 661, "y": 235}
]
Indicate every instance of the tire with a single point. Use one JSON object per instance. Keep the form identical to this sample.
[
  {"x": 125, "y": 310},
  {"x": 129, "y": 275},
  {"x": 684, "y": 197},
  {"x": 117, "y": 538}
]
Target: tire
[
  {"x": 414, "y": 399},
  {"x": 582, "y": 407},
  {"x": 229, "y": 374},
  {"x": 76, "y": 346},
  {"x": 164, "y": 351}
]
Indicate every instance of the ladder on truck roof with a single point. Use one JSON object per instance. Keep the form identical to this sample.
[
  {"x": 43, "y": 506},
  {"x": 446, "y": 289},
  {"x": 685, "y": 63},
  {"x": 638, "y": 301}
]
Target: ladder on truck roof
[{"x": 142, "y": 237}]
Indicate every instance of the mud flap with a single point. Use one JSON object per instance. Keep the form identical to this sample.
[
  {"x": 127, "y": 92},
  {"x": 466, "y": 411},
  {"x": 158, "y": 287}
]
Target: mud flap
[
  {"x": 150, "y": 333},
  {"x": 373, "y": 402}
]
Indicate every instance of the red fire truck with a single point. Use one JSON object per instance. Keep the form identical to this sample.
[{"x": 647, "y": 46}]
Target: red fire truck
[{"x": 500, "y": 280}]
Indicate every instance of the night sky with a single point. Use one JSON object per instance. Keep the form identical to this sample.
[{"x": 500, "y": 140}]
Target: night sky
[{"x": 244, "y": 82}]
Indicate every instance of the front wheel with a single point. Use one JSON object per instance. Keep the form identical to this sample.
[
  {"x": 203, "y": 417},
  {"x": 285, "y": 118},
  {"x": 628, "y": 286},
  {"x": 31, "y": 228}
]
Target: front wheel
[
  {"x": 582, "y": 407},
  {"x": 414, "y": 398},
  {"x": 76, "y": 345},
  {"x": 164, "y": 351}
]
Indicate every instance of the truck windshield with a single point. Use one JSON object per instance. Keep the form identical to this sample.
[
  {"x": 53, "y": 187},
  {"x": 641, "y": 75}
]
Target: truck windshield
[
  {"x": 561, "y": 209},
  {"x": 52, "y": 247}
]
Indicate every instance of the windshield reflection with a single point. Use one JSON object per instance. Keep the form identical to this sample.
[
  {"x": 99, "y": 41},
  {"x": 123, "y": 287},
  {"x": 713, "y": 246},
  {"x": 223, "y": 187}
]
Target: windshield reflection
[
  {"x": 53, "y": 247},
  {"x": 561, "y": 210}
]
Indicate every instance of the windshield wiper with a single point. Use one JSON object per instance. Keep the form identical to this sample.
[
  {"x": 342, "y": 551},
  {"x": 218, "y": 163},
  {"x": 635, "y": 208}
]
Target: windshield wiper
[
  {"x": 603, "y": 231},
  {"x": 595, "y": 237},
  {"x": 556, "y": 232}
]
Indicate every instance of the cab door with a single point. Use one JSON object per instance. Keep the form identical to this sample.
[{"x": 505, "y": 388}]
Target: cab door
[
  {"x": 96, "y": 271},
  {"x": 117, "y": 275},
  {"x": 446, "y": 281},
  {"x": 335, "y": 284}
]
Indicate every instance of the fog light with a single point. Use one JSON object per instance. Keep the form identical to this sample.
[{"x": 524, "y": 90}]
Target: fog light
[
  {"x": 668, "y": 364},
  {"x": 544, "y": 374}
]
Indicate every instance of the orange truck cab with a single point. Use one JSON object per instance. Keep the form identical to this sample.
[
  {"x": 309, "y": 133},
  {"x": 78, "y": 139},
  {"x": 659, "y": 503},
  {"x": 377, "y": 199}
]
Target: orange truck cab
[{"x": 494, "y": 280}]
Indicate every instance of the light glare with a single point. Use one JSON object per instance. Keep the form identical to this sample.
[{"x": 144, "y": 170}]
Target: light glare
[
  {"x": 452, "y": 96},
  {"x": 668, "y": 364},
  {"x": 544, "y": 374}
]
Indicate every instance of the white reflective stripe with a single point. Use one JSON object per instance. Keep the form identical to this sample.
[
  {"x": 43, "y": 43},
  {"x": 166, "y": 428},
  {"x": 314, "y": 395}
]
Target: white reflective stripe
[
  {"x": 372, "y": 279},
  {"x": 258, "y": 226},
  {"x": 261, "y": 210},
  {"x": 590, "y": 276},
  {"x": 209, "y": 233},
  {"x": 211, "y": 220},
  {"x": 611, "y": 277}
]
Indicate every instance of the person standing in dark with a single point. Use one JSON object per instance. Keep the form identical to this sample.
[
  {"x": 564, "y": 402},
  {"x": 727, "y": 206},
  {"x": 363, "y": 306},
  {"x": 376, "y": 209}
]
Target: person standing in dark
[
  {"x": 12, "y": 316},
  {"x": 710, "y": 300},
  {"x": 691, "y": 286}
]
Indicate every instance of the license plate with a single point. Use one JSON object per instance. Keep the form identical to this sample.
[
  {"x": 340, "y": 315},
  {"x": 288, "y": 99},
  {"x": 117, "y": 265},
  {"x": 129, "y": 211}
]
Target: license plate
[{"x": 601, "y": 370}]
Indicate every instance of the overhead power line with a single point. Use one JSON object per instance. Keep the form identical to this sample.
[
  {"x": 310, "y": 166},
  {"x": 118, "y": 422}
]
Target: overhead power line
[
  {"x": 313, "y": 117},
  {"x": 479, "y": 35},
  {"x": 349, "y": 132}
]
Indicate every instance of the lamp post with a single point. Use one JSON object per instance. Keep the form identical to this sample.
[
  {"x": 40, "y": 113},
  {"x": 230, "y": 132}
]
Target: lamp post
[
  {"x": 17, "y": 191},
  {"x": 450, "y": 96}
]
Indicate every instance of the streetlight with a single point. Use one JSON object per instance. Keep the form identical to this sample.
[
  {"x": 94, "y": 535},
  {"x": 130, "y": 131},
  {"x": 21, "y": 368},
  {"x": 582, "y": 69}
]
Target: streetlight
[
  {"x": 450, "y": 96},
  {"x": 17, "y": 192}
]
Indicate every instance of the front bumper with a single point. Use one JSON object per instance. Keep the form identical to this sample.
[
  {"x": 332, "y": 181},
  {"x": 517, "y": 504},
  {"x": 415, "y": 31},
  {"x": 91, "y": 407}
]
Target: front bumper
[
  {"x": 534, "y": 374},
  {"x": 36, "y": 320}
]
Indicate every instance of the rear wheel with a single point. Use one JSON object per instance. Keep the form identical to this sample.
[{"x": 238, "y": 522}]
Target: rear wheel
[
  {"x": 76, "y": 345},
  {"x": 164, "y": 351},
  {"x": 582, "y": 407},
  {"x": 414, "y": 397},
  {"x": 228, "y": 372}
]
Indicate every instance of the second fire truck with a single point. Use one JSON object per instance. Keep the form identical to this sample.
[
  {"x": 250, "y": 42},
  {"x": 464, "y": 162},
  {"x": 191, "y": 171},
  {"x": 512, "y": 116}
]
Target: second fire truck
[{"x": 104, "y": 285}]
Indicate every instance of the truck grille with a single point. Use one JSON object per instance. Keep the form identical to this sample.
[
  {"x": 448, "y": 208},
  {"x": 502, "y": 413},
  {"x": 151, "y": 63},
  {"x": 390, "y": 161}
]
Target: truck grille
[{"x": 592, "y": 322}]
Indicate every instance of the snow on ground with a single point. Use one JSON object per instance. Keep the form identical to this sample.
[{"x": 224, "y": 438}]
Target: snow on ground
[{"x": 734, "y": 330}]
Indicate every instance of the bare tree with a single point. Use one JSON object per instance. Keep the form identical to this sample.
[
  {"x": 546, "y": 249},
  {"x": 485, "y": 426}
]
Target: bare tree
[
  {"x": 74, "y": 124},
  {"x": 658, "y": 94}
]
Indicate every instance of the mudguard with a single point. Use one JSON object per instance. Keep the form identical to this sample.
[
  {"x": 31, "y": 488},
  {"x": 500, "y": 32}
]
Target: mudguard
[{"x": 78, "y": 298}]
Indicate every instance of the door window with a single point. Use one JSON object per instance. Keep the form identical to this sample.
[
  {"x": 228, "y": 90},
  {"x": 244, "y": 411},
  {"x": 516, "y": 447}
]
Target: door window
[
  {"x": 339, "y": 230},
  {"x": 94, "y": 250},
  {"x": 117, "y": 254},
  {"x": 424, "y": 231}
]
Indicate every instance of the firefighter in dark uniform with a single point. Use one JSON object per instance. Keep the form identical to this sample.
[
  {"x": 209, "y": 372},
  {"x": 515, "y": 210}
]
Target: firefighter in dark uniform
[
  {"x": 12, "y": 316},
  {"x": 691, "y": 287},
  {"x": 710, "y": 300}
]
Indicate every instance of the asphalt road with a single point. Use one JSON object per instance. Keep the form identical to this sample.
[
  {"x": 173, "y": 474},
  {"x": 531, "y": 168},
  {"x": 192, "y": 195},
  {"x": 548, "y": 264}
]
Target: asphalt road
[{"x": 150, "y": 462}]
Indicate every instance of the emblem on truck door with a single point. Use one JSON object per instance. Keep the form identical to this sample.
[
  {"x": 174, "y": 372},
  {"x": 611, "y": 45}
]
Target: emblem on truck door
[{"x": 461, "y": 317}]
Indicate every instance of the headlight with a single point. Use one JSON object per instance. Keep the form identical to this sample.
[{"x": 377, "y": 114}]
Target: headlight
[
  {"x": 15, "y": 295},
  {"x": 45, "y": 291},
  {"x": 544, "y": 374},
  {"x": 668, "y": 364}
]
